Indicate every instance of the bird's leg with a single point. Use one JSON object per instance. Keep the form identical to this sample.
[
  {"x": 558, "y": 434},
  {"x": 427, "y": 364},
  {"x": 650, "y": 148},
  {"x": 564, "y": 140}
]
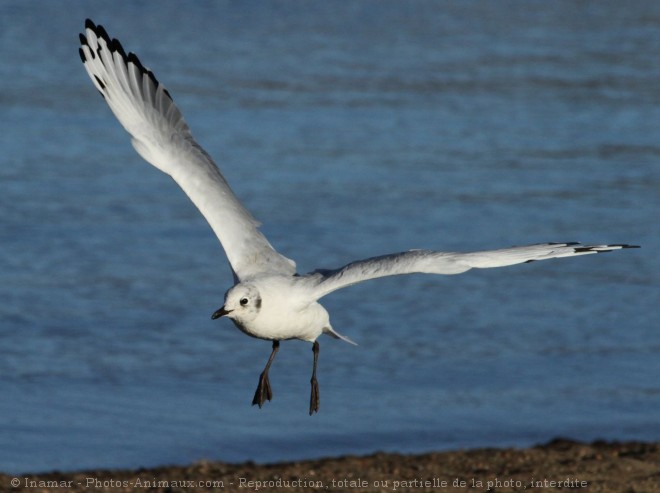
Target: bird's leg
[
  {"x": 264, "y": 392},
  {"x": 314, "y": 398}
]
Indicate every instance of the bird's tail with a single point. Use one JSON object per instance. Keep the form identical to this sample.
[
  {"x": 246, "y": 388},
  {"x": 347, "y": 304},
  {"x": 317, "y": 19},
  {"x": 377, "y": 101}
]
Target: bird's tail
[{"x": 331, "y": 332}]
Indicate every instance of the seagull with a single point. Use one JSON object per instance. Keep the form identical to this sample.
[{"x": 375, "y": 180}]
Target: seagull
[{"x": 269, "y": 300}]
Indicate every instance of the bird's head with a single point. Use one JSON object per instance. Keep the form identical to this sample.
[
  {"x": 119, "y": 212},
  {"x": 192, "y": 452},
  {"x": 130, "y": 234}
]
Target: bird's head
[{"x": 242, "y": 303}]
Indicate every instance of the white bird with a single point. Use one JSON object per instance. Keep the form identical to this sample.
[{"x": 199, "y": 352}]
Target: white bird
[{"x": 269, "y": 300}]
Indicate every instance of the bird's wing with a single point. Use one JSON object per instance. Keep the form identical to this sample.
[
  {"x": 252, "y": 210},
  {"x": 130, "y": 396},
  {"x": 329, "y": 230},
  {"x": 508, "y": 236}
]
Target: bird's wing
[
  {"x": 161, "y": 136},
  {"x": 431, "y": 262}
]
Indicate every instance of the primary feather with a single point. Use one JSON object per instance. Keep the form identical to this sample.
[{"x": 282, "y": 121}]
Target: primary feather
[
  {"x": 432, "y": 262},
  {"x": 162, "y": 137}
]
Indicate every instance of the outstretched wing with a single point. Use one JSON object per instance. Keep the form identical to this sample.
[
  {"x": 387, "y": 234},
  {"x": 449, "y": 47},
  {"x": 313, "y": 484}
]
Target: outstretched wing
[
  {"x": 161, "y": 136},
  {"x": 430, "y": 262}
]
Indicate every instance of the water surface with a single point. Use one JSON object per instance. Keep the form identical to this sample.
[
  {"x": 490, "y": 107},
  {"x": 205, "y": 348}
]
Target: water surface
[{"x": 349, "y": 130}]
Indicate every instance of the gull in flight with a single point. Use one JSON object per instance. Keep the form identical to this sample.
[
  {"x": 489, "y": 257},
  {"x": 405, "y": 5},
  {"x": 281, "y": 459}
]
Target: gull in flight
[{"x": 268, "y": 300}]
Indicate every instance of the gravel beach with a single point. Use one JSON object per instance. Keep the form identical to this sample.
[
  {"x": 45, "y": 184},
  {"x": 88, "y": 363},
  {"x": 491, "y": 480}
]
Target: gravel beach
[{"x": 556, "y": 466}]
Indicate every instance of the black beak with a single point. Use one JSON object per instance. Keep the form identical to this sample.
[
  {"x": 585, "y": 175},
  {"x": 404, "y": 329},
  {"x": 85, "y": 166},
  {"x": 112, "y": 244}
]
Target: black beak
[{"x": 219, "y": 313}]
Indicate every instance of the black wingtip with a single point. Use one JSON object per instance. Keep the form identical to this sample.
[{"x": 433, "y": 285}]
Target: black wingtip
[
  {"x": 101, "y": 32},
  {"x": 610, "y": 248},
  {"x": 115, "y": 45},
  {"x": 100, "y": 82},
  {"x": 583, "y": 249},
  {"x": 132, "y": 58},
  {"x": 152, "y": 77}
]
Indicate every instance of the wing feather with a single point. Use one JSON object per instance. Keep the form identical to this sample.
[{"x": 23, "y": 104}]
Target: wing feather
[
  {"x": 162, "y": 137},
  {"x": 432, "y": 262}
]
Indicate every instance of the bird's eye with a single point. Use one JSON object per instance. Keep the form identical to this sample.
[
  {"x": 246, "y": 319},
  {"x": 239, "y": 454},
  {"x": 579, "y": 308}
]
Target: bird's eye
[{"x": 244, "y": 301}]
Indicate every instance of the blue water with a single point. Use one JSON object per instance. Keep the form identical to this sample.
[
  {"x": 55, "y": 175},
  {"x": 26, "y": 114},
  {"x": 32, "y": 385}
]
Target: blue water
[{"x": 349, "y": 130}]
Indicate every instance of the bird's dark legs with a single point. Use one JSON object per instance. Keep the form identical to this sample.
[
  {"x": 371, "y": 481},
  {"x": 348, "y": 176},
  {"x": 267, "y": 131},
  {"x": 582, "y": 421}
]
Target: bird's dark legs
[
  {"x": 314, "y": 398},
  {"x": 263, "y": 392}
]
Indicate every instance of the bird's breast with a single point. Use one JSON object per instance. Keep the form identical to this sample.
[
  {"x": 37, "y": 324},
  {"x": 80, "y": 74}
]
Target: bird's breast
[{"x": 286, "y": 322}]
